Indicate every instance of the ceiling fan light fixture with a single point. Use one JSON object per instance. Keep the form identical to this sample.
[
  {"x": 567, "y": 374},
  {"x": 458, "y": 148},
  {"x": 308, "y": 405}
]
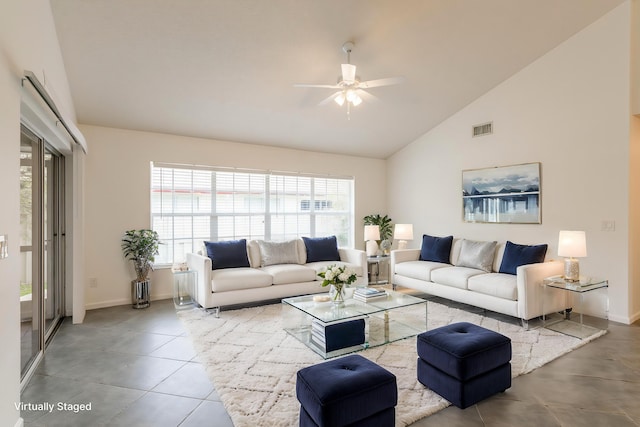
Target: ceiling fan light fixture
[{"x": 349, "y": 86}]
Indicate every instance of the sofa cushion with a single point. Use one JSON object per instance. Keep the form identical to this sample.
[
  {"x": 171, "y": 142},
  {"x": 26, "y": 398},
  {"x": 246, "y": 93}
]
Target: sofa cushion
[
  {"x": 477, "y": 255},
  {"x": 289, "y": 273},
  {"x": 272, "y": 253},
  {"x": 233, "y": 279},
  {"x": 253, "y": 251},
  {"x": 495, "y": 284},
  {"x": 420, "y": 270},
  {"x": 516, "y": 255},
  {"x": 321, "y": 249},
  {"x": 454, "y": 276},
  {"x": 227, "y": 254},
  {"x": 436, "y": 249},
  {"x": 323, "y": 265}
]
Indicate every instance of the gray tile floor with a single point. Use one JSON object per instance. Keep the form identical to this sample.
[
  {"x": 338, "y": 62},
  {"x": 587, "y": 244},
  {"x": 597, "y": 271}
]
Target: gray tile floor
[{"x": 137, "y": 368}]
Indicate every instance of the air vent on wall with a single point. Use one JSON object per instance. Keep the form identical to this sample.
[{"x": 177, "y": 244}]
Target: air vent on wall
[{"x": 483, "y": 129}]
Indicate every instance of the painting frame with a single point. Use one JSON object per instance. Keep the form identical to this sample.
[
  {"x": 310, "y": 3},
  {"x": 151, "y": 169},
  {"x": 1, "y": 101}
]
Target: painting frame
[{"x": 502, "y": 194}]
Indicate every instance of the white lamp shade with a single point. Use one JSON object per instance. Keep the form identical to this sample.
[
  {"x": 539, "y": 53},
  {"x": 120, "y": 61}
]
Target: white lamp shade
[
  {"x": 371, "y": 232},
  {"x": 572, "y": 244},
  {"x": 403, "y": 232}
]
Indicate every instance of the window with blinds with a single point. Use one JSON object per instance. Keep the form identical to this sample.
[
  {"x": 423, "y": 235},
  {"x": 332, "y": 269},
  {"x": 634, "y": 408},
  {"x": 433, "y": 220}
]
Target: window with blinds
[{"x": 192, "y": 204}]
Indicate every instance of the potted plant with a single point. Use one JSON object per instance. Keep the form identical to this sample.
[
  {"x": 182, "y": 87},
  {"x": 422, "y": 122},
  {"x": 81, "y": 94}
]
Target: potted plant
[
  {"x": 141, "y": 247},
  {"x": 386, "y": 229}
]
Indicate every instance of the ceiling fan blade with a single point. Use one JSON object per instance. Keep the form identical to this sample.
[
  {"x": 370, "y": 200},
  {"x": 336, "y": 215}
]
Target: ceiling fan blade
[
  {"x": 321, "y": 86},
  {"x": 329, "y": 98},
  {"x": 381, "y": 82},
  {"x": 366, "y": 96}
]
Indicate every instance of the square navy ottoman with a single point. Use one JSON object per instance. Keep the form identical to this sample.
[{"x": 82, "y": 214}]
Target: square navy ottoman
[
  {"x": 349, "y": 391},
  {"x": 464, "y": 363}
]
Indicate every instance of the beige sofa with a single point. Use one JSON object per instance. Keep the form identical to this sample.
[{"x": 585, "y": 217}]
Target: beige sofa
[
  {"x": 258, "y": 282},
  {"x": 518, "y": 295}
]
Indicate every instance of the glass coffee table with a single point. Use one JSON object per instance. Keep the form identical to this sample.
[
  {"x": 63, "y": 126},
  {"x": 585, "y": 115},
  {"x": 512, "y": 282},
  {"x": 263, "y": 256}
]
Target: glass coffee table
[{"x": 333, "y": 330}]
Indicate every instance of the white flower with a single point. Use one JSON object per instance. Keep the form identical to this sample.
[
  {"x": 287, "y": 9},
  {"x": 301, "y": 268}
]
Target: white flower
[
  {"x": 343, "y": 277},
  {"x": 328, "y": 275}
]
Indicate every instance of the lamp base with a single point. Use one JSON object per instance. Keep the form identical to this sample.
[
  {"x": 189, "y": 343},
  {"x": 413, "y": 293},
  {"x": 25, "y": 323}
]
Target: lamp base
[
  {"x": 571, "y": 270},
  {"x": 372, "y": 248},
  {"x": 402, "y": 244}
]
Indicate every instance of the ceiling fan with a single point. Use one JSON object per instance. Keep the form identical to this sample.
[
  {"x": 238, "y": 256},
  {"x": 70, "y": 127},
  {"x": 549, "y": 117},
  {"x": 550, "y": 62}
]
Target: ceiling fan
[{"x": 350, "y": 88}]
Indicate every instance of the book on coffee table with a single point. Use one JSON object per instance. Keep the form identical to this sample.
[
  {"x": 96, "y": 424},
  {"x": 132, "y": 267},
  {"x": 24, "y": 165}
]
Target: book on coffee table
[
  {"x": 368, "y": 294},
  {"x": 336, "y": 335}
]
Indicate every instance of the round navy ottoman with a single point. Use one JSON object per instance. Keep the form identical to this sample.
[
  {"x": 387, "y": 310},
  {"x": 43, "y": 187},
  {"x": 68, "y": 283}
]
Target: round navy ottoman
[
  {"x": 464, "y": 363},
  {"x": 349, "y": 391}
]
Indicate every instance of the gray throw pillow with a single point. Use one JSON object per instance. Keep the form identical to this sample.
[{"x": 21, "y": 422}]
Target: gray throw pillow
[
  {"x": 477, "y": 255},
  {"x": 278, "y": 252}
]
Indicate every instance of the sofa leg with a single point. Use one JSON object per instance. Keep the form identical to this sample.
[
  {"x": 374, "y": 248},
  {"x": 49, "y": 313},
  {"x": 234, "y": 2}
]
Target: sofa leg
[
  {"x": 567, "y": 313},
  {"x": 214, "y": 310},
  {"x": 525, "y": 324}
]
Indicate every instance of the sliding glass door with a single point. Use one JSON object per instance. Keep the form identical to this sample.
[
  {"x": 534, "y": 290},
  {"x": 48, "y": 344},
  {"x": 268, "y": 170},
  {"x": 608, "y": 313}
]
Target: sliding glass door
[{"x": 41, "y": 245}]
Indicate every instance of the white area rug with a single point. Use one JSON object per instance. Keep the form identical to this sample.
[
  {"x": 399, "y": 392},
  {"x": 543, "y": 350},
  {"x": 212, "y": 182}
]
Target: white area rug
[{"x": 253, "y": 363}]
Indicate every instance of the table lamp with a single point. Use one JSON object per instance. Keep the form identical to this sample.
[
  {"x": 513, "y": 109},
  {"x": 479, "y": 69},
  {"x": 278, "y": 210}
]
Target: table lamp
[
  {"x": 572, "y": 244},
  {"x": 371, "y": 234},
  {"x": 402, "y": 233}
]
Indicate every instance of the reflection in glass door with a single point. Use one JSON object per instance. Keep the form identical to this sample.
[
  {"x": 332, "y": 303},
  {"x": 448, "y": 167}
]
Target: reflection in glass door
[
  {"x": 41, "y": 245},
  {"x": 30, "y": 226}
]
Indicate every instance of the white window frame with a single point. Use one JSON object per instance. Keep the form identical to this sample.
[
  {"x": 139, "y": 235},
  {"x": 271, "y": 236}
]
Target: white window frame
[{"x": 344, "y": 190}]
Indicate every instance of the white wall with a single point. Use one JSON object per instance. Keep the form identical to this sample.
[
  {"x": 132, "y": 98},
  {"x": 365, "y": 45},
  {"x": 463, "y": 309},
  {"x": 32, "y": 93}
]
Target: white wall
[
  {"x": 634, "y": 160},
  {"x": 569, "y": 110},
  {"x": 27, "y": 41},
  {"x": 118, "y": 193}
]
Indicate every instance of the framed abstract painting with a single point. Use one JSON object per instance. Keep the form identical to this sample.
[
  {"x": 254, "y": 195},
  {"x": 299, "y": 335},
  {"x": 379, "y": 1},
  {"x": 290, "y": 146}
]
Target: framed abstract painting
[{"x": 505, "y": 194}]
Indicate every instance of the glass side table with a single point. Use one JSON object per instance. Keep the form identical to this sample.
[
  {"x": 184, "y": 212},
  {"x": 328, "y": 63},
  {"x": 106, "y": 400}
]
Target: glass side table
[
  {"x": 373, "y": 267},
  {"x": 184, "y": 286},
  {"x": 589, "y": 295}
]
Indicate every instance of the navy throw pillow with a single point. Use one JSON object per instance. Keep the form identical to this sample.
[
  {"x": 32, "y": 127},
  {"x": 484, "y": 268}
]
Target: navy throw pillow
[
  {"x": 227, "y": 254},
  {"x": 436, "y": 249},
  {"x": 516, "y": 255},
  {"x": 321, "y": 248}
]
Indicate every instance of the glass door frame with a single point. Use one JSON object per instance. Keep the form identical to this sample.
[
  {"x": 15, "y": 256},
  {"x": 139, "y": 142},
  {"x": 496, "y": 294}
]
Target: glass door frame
[
  {"x": 47, "y": 247},
  {"x": 54, "y": 241}
]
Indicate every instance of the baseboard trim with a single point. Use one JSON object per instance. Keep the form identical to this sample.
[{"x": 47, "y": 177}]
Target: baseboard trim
[
  {"x": 634, "y": 317},
  {"x": 122, "y": 301},
  {"x": 625, "y": 320}
]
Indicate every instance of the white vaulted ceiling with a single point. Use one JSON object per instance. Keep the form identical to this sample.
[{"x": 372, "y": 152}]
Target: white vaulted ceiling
[{"x": 225, "y": 69}]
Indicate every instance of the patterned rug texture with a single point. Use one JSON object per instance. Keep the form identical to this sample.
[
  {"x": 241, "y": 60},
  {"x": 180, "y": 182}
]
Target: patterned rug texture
[{"x": 253, "y": 362}]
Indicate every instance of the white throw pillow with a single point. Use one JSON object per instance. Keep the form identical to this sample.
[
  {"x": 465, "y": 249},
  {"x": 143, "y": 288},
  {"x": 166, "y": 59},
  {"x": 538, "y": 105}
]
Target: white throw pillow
[
  {"x": 273, "y": 253},
  {"x": 477, "y": 255}
]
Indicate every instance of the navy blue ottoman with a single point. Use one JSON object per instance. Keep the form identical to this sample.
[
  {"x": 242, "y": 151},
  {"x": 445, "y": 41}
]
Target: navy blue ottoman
[
  {"x": 349, "y": 391},
  {"x": 464, "y": 363}
]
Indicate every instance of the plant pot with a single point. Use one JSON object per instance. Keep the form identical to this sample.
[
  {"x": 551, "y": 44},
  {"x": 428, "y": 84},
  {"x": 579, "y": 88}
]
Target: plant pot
[{"x": 140, "y": 293}]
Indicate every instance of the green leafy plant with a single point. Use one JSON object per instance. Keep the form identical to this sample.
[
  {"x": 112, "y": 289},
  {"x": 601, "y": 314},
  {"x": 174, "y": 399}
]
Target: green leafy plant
[
  {"x": 384, "y": 222},
  {"x": 141, "y": 247}
]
